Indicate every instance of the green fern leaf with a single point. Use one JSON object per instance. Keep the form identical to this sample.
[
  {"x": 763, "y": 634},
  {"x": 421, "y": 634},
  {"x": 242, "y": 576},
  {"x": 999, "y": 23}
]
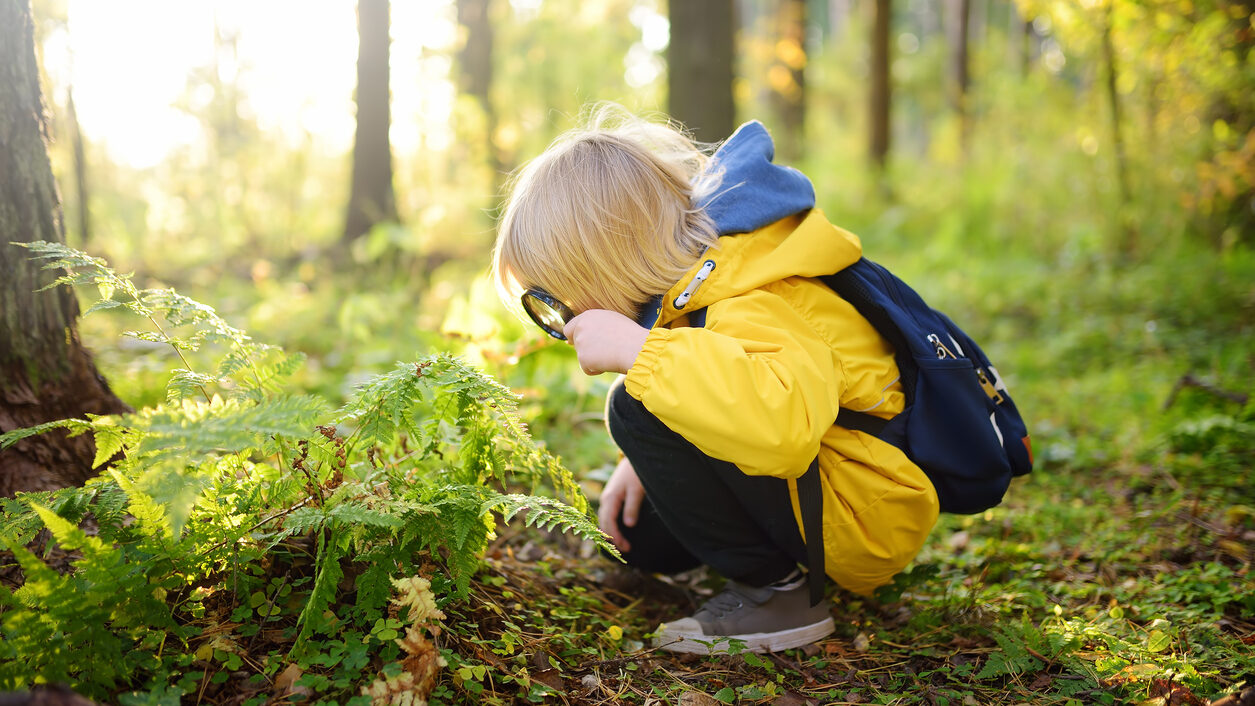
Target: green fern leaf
[
  {"x": 326, "y": 583},
  {"x": 101, "y": 305},
  {"x": 67, "y": 534},
  {"x": 550, "y": 514},
  {"x": 302, "y": 521},
  {"x": 185, "y": 383},
  {"x": 353, "y": 513},
  {"x": 196, "y": 427},
  {"x": 1012, "y": 659},
  {"x": 175, "y": 488},
  {"x": 76, "y": 427},
  {"x": 109, "y": 441}
]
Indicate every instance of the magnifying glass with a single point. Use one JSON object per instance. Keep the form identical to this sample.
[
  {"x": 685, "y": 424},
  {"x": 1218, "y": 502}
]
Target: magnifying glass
[{"x": 548, "y": 313}]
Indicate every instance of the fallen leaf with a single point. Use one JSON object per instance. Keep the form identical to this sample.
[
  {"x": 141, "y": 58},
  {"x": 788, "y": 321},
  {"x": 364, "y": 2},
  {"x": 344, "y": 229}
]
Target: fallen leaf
[
  {"x": 862, "y": 642},
  {"x": 791, "y": 699},
  {"x": 551, "y": 678},
  {"x": 288, "y": 677},
  {"x": 697, "y": 698}
]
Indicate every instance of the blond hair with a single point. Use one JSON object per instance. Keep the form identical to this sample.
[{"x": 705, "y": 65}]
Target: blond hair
[{"x": 607, "y": 217}]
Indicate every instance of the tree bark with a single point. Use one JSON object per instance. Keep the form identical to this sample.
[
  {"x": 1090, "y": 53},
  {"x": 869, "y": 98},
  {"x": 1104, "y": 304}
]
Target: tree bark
[
  {"x": 45, "y": 373},
  {"x": 700, "y": 60},
  {"x": 961, "y": 79},
  {"x": 476, "y": 68},
  {"x": 475, "y": 56},
  {"x": 371, "y": 198},
  {"x": 1128, "y": 244},
  {"x": 788, "y": 77},
  {"x": 880, "y": 96},
  {"x": 80, "y": 174}
]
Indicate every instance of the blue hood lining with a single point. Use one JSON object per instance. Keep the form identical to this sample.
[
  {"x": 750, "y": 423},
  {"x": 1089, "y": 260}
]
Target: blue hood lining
[{"x": 754, "y": 192}]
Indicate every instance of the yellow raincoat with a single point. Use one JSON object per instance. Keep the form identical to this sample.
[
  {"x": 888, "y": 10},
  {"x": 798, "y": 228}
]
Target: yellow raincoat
[{"x": 761, "y": 383}]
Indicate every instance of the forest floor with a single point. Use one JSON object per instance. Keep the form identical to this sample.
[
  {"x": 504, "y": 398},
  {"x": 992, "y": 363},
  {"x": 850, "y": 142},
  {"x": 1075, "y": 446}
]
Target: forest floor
[
  {"x": 1121, "y": 587},
  {"x": 1126, "y": 583},
  {"x": 1129, "y": 584}
]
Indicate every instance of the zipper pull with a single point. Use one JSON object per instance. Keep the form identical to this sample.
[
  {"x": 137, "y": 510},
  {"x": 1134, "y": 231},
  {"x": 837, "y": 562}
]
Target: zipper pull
[
  {"x": 988, "y": 386},
  {"x": 942, "y": 351},
  {"x": 696, "y": 282}
]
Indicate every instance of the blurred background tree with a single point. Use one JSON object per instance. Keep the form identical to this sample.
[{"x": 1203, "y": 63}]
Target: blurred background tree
[
  {"x": 45, "y": 372},
  {"x": 700, "y": 59},
  {"x": 371, "y": 199},
  {"x": 1045, "y": 138}
]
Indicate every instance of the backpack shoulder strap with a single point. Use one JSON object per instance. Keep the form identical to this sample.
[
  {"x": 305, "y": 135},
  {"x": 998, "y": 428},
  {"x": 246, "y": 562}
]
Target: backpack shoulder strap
[
  {"x": 810, "y": 500},
  {"x": 810, "y": 497}
]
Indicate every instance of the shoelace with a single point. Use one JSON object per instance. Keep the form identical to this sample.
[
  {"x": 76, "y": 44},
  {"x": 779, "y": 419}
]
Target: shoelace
[{"x": 724, "y": 603}]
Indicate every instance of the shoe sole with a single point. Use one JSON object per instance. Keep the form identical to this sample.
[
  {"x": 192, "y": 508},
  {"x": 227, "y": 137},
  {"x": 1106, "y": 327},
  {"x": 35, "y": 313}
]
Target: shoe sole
[{"x": 697, "y": 643}]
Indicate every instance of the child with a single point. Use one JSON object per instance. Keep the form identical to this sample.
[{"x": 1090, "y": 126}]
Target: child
[{"x": 614, "y": 237}]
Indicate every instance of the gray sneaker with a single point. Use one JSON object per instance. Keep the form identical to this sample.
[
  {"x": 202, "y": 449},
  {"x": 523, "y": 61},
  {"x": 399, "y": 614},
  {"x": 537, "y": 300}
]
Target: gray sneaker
[{"x": 765, "y": 619}]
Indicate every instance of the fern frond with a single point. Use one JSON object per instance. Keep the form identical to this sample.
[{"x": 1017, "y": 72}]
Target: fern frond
[
  {"x": 1012, "y": 658},
  {"x": 302, "y": 521},
  {"x": 67, "y": 534},
  {"x": 181, "y": 310},
  {"x": 110, "y": 439},
  {"x": 18, "y": 523},
  {"x": 267, "y": 376},
  {"x": 374, "y": 585},
  {"x": 549, "y": 514},
  {"x": 385, "y": 403},
  {"x": 82, "y": 269},
  {"x": 196, "y": 427},
  {"x": 150, "y": 517},
  {"x": 186, "y": 383},
  {"x": 351, "y": 512},
  {"x": 76, "y": 427},
  {"x": 109, "y": 506},
  {"x": 36, "y": 572},
  {"x": 326, "y": 583}
]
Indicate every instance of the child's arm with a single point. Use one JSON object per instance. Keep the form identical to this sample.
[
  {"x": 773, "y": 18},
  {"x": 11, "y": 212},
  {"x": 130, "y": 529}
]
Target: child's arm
[
  {"x": 605, "y": 341},
  {"x": 623, "y": 493},
  {"x": 758, "y": 386}
]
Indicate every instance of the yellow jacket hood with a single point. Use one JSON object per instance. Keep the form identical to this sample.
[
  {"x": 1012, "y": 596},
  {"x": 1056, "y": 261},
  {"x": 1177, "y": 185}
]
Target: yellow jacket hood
[{"x": 803, "y": 245}]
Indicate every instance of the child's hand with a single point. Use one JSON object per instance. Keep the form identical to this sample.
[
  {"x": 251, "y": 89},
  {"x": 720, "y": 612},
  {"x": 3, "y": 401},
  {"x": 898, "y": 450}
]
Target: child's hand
[
  {"x": 623, "y": 493},
  {"x": 605, "y": 341}
]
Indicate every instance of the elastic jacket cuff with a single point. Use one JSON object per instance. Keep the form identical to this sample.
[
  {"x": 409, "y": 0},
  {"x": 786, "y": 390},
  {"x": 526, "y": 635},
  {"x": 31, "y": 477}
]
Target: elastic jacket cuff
[{"x": 642, "y": 371}]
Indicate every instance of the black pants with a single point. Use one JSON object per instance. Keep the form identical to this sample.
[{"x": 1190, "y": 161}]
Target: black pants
[{"x": 700, "y": 510}]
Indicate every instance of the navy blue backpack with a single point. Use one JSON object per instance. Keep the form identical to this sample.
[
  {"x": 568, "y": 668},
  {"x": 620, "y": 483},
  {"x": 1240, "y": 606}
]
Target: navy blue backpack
[{"x": 958, "y": 424}]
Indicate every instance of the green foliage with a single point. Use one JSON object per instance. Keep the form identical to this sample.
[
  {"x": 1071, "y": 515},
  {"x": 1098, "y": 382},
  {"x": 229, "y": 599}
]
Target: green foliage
[{"x": 236, "y": 507}]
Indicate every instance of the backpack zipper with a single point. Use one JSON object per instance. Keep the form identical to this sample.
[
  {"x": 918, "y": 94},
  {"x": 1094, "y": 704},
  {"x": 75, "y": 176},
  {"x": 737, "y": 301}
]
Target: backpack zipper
[{"x": 942, "y": 351}]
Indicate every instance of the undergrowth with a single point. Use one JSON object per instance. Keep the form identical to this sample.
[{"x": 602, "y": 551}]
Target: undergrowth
[
  {"x": 242, "y": 539},
  {"x": 249, "y": 545}
]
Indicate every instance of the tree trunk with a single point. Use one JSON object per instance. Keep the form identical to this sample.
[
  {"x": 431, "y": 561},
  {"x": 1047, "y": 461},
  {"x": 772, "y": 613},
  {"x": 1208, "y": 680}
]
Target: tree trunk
[
  {"x": 879, "y": 101},
  {"x": 45, "y": 373},
  {"x": 371, "y": 199},
  {"x": 475, "y": 64},
  {"x": 699, "y": 67},
  {"x": 1128, "y": 244},
  {"x": 475, "y": 56},
  {"x": 787, "y": 77},
  {"x": 961, "y": 11},
  {"x": 80, "y": 174}
]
